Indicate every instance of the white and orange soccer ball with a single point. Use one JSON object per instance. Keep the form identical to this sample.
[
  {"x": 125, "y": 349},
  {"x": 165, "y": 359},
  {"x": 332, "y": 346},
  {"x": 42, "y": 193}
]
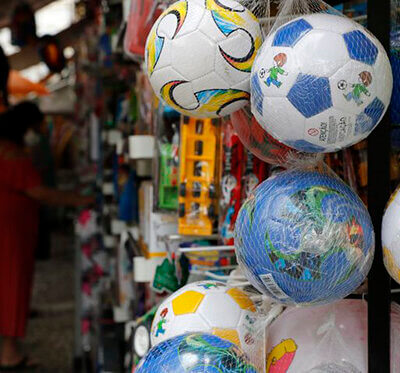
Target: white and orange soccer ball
[{"x": 209, "y": 307}]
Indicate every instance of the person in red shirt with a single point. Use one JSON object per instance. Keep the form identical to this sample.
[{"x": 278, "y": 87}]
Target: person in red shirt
[{"x": 21, "y": 193}]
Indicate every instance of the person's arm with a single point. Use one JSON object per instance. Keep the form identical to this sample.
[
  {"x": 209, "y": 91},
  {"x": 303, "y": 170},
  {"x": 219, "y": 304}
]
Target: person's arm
[{"x": 55, "y": 197}]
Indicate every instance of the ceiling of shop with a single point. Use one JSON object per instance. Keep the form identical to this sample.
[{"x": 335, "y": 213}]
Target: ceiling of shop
[{"x": 6, "y": 7}]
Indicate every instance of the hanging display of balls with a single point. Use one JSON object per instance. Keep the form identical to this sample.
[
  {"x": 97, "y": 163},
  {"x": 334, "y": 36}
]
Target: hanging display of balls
[
  {"x": 320, "y": 83},
  {"x": 391, "y": 236},
  {"x": 304, "y": 237},
  {"x": 196, "y": 352},
  {"x": 199, "y": 56},
  {"x": 208, "y": 307},
  {"x": 258, "y": 140}
]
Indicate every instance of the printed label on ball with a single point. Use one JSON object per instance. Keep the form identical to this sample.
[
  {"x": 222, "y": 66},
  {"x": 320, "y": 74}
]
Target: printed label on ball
[
  {"x": 332, "y": 131},
  {"x": 272, "y": 286}
]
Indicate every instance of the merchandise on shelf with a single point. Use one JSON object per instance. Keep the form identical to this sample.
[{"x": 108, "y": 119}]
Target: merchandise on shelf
[
  {"x": 231, "y": 182},
  {"x": 198, "y": 176}
]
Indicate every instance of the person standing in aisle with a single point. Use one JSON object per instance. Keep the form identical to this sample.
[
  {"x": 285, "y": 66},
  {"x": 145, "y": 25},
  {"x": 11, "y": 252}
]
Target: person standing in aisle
[{"x": 21, "y": 193}]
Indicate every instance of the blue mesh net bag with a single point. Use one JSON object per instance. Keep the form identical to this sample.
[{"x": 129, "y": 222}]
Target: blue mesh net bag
[
  {"x": 304, "y": 237},
  {"x": 195, "y": 353}
]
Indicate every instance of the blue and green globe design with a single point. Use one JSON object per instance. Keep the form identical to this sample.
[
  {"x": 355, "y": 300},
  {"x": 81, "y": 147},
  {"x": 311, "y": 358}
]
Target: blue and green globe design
[
  {"x": 195, "y": 353},
  {"x": 304, "y": 238}
]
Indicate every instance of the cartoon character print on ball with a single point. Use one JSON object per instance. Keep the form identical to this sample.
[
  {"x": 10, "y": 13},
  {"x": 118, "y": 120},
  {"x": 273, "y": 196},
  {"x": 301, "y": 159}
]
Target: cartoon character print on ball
[
  {"x": 209, "y": 307},
  {"x": 320, "y": 83},
  {"x": 304, "y": 238},
  {"x": 196, "y": 352},
  {"x": 199, "y": 56},
  {"x": 257, "y": 139},
  {"x": 390, "y": 236}
]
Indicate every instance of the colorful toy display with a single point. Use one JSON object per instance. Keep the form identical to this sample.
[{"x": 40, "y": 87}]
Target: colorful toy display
[
  {"x": 304, "y": 237},
  {"x": 196, "y": 352},
  {"x": 325, "y": 339},
  {"x": 199, "y": 56},
  {"x": 390, "y": 236},
  {"x": 231, "y": 182},
  {"x": 320, "y": 83},
  {"x": 197, "y": 176},
  {"x": 208, "y": 307},
  {"x": 257, "y": 140}
]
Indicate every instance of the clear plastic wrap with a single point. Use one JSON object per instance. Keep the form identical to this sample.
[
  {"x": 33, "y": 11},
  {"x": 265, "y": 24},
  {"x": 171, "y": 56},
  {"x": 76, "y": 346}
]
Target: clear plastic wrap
[
  {"x": 196, "y": 352},
  {"x": 215, "y": 308},
  {"x": 320, "y": 82},
  {"x": 304, "y": 237},
  {"x": 326, "y": 339},
  {"x": 199, "y": 56},
  {"x": 391, "y": 236}
]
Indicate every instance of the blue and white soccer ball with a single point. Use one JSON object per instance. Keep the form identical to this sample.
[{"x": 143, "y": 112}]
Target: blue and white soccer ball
[{"x": 320, "y": 83}]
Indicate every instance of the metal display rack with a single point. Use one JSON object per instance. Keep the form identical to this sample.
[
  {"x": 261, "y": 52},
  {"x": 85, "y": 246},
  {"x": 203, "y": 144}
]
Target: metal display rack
[{"x": 379, "y": 283}]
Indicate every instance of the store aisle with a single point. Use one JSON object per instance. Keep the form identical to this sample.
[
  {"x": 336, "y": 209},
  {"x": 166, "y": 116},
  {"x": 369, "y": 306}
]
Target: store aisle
[{"x": 50, "y": 334}]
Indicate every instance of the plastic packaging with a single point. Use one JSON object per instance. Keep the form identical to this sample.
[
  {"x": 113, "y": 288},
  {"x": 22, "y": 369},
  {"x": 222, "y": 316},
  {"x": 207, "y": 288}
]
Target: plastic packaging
[
  {"x": 196, "y": 353},
  {"x": 304, "y": 237},
  {"x": 326, "y": 339}
]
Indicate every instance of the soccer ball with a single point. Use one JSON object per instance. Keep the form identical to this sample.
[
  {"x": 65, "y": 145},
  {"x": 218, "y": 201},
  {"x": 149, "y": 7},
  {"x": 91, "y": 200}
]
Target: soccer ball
[
  {"x": 390, "y": 236},
  {"x": 304, "y": 238},
  {"x": 199, "y": 56},
  {"x": 320, "y": 83},
  {"x": 195, "y": 352},
  {"x": 210, "y": 307}
]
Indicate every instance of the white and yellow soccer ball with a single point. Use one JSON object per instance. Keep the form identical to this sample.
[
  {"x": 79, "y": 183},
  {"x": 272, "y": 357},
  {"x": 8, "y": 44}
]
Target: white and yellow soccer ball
[
  {"x": 391, "y": 236},
  {"x": 199, "y": 55},
  {"x": 209, "y": 307}
]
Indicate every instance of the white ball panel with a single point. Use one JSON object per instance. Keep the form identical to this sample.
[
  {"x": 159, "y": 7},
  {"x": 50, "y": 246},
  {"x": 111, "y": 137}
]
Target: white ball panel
[
  {"x": 321, "y": 53},
  {"x": 184, "y": 96},
  {"x": 191, "y": 62},
  {"x": 220, "y": 310},
  {"x": 194, "y": 15},
  {"x": 162, "y": 76},
  {"x": 209, "y": 81},
  {"x": 281, "y": 119}
]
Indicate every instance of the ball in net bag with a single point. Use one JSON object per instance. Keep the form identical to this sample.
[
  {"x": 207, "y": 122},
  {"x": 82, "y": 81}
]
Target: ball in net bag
[
  {"x": 197, "y": 352},
  {"x": 257, "y": 139},
  {"x": 304, "y": 237},
  {"x": 391, "y": 236},
  {"x": 209, "y": 307},
  {"x": 320, "y": 83},
  {"x": 326, "y": 339},
  {"x": 199, "y": 56}
]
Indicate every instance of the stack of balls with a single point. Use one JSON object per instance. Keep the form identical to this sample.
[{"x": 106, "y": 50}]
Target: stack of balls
[
  {"x": 205, "y": 326},
  {"x": 316, "y": 84}
]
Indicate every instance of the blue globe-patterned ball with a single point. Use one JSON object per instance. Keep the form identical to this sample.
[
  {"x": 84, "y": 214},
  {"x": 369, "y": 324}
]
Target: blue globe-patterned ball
[
  {"x": 195, "y": 353},
  {"x": 305, "y": 238}
]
